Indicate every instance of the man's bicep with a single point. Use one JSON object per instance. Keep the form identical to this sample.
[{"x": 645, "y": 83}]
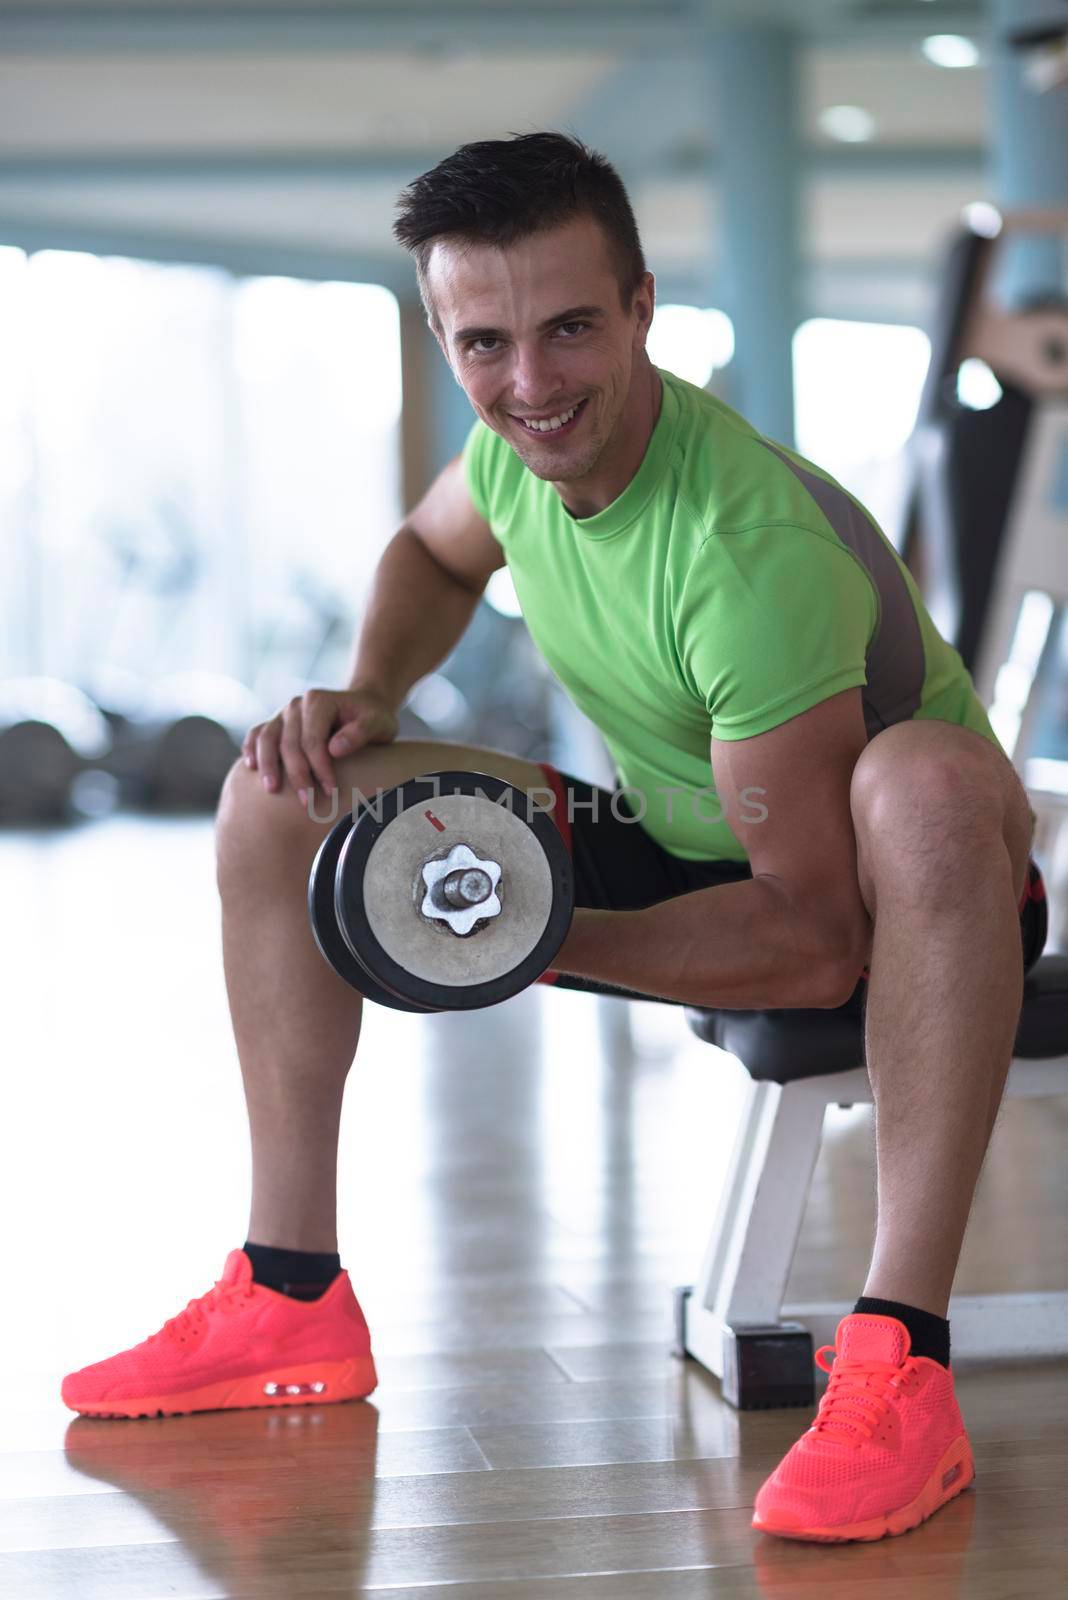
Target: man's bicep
[
  {"x": 785, "y": 797},
  {"x": 456, "y": 534}
]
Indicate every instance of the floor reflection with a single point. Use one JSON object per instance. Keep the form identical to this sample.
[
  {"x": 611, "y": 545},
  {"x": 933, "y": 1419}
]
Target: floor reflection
[{"x": 251, "y": 1495}]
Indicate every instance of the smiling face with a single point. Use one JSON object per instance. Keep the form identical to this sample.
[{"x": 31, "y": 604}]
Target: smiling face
[{"x": 536, "y": 334}]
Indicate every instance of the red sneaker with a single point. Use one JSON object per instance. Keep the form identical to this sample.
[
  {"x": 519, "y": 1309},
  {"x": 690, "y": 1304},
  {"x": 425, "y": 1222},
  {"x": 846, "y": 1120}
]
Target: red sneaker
[
  {"x": 238, "y": 1345},
  {"x": 887, "y": 1448}
]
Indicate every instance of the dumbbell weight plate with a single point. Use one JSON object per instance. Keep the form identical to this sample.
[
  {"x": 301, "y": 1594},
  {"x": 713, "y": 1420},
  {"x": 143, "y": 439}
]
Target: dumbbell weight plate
[
  {"x": 379, "y": 890},
  {"x": 324, "y": 926}
]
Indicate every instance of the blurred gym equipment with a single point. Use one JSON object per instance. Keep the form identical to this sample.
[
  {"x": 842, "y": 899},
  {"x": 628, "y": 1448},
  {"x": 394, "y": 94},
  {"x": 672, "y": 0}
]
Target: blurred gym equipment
[
  {"x": 989, "y": 488},
  {"x": 173, "y": 749},
  {"x": 50, "y": 734}
]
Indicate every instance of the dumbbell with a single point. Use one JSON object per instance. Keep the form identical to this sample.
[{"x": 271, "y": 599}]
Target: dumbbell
[{"x": 447, "y": 893}]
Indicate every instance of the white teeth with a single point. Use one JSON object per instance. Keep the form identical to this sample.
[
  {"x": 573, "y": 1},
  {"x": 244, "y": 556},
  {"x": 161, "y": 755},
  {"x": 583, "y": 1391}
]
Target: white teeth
[{"x": 552, "y": 424}]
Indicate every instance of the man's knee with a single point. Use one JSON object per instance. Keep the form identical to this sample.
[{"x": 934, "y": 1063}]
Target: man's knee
[
  {"x": 934, "y": 799},
  {"x": 256, "y": 831},
  {"x": 910, "y": 784}
]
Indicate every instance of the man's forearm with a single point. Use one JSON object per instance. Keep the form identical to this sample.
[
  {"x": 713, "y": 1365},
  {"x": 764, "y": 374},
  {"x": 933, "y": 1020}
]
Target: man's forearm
[
  {"x": 739, "y": 946},
  {"x": 415, "y": 615}
]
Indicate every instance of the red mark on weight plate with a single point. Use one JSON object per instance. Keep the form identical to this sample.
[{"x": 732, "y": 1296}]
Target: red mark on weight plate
[{"x": 430, "y": 817}]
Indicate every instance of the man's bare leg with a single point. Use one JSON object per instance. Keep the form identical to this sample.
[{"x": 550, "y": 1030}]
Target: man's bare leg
[
  {"x": 296, "y": 1023},
  {"x": 943, "y": 832}
]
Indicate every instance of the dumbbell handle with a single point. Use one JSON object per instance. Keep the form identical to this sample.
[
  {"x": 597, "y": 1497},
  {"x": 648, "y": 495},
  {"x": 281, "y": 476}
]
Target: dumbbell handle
[{"x": 467, "y": 886}]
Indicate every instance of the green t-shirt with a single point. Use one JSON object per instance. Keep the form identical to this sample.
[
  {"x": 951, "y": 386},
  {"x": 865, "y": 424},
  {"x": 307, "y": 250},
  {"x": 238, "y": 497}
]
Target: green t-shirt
[{"x": 730, "y": 587}]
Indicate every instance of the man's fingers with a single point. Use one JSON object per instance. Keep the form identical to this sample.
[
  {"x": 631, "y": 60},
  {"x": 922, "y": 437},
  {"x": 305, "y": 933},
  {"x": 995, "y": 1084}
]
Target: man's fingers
[
  {"x": 294, "y": 760},
  {"x": 296, "y": 745},
  {"x": 319, "y": 713},
  {"x": 349, "y": 737},
  {"x": 267, "y": 754},
  {"x": 319, "y": 762}
]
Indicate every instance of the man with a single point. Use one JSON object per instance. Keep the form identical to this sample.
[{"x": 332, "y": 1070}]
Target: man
[{"x": 739, "y": 630}]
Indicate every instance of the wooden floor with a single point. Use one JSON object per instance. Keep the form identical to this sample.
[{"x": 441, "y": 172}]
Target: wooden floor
[{"x": 519, "y": 1193}]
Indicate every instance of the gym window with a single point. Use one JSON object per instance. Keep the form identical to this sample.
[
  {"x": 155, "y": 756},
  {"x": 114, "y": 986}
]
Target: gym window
[
  {"x": 196, "y": 470},
  {"x": 856, "y": 394}
]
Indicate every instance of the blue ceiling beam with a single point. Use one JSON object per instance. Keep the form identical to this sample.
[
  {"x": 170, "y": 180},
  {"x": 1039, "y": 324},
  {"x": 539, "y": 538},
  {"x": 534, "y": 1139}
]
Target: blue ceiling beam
[
  {"x": 399, "y": 168},
  {"x": 628, "y": 26},
  {"x": 553, "y": 25}
]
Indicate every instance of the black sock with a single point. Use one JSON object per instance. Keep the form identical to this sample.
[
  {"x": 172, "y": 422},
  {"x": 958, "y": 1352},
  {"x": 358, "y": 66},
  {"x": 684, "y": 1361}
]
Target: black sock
[
  {"x": 929, "y": 1334},
  {"x": 301, "y": 1274}
]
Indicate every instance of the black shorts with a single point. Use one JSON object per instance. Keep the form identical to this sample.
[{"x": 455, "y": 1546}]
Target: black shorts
[{"x": 620, "y": 867}]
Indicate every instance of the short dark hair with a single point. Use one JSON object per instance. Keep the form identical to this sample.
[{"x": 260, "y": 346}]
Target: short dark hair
[{"x": 499, "y": 191}]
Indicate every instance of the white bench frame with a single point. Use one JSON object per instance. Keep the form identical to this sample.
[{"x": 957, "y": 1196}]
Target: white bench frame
[{"x": 747, "y": 1261}]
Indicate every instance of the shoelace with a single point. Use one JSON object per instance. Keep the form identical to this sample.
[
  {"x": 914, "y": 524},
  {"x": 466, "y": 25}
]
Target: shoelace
[
  {"x": 221, "y": 1296},
  {"x": 858, "y": 1397}
]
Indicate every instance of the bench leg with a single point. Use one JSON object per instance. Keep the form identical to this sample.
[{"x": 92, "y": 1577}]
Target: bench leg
[
  {"x": 730, "y": 1319},
  {"x": 734, "y": 1320}
]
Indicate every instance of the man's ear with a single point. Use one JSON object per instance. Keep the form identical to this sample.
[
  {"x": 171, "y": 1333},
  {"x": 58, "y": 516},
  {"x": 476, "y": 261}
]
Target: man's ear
[{"x": 645, "y": 305}]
